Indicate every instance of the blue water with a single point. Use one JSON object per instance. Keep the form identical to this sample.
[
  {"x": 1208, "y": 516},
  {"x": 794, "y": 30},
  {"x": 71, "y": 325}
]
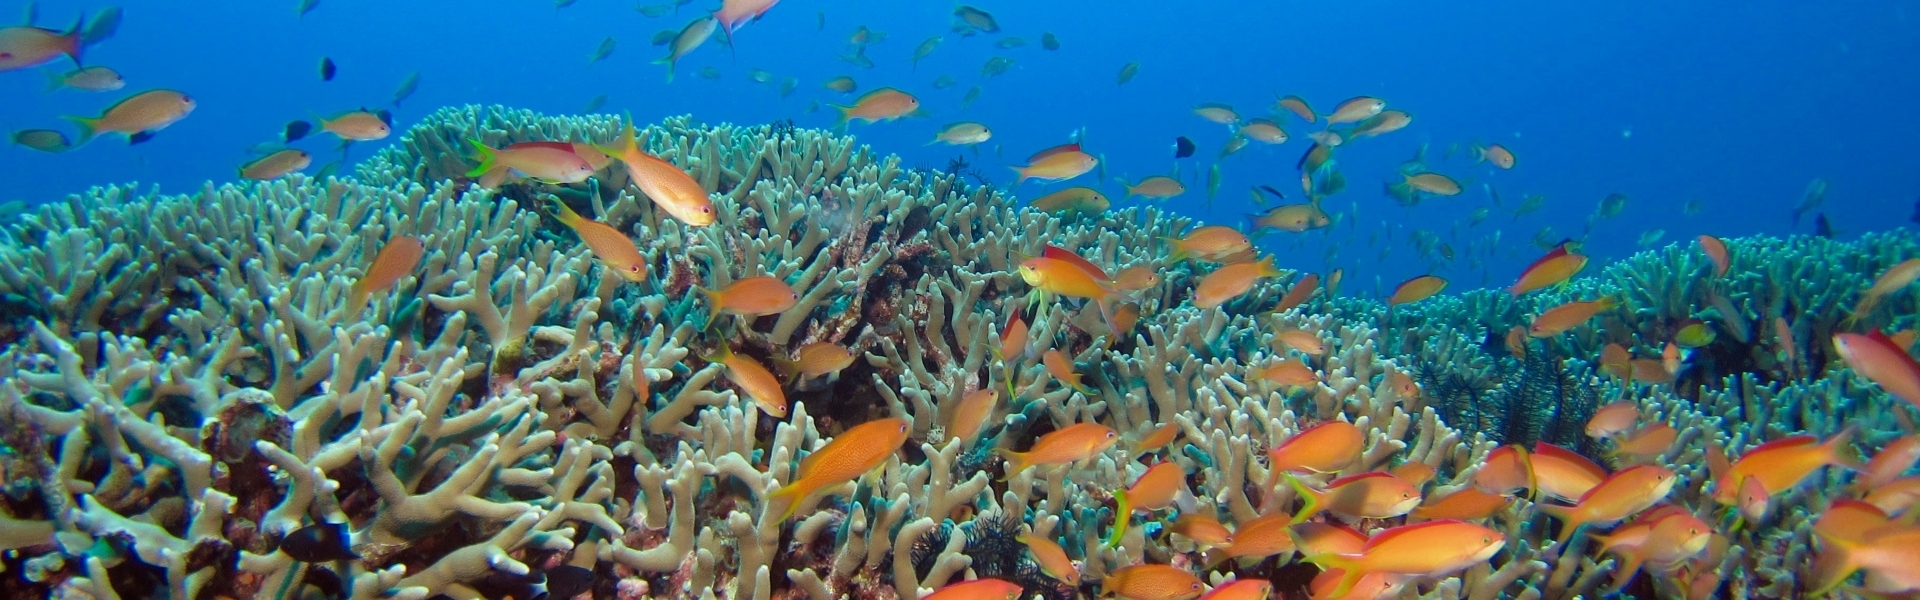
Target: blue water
[{"x": 1737, "y": 105}]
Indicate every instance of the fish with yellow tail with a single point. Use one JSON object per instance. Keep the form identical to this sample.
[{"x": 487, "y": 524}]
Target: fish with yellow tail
[
  {"x": 1618, "y": 497},
  {"x": 139, "y": 116},
  {"x": 752, "y": 297},
  {"x": 1051, "y": 558},
  {"x": 1553, "y": 269},
  {"x": 847, "y": 456},
  {"x": 1231, "y": 281},
  {"x": 884, "y": 104},
  {"x": 1065, "y": 445},
  {"x": 1781, "y": 464},
  {"x": 669, "y": 187},
  {"x": 1059, "y": 163},
  {"x": 1156, "y": 489},
  {"x": 754, "y": 379},
  {"x": 395, "y": 260},
  {"x": 1559, "y": 319},
  {"x": 1054, "y": 276},
  {"x": 614, "y": 249},
  {"x": 1430, "y": 549}
]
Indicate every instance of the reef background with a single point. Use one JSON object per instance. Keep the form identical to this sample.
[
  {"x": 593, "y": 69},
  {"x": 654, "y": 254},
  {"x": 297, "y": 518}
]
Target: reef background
[{"x": 186, "y": 388}]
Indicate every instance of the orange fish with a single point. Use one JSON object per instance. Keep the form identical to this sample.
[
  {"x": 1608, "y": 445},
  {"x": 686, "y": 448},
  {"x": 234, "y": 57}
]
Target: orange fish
[
  {"x": 1781, "y": 464},
  {"x": 1517, "y": 341},
  {"x": 1302, "y": 340},
  {"x": 814, "y": 360},
  {"x": 670, "y": 188},
  {"x": 1876, "y": 357},
  {"x": 1297, "y": 106},
  {"x": 1506, "y": 469},
  {"x": 614, "y": 249},
  {"x": 549, "y": 162},
  {"x": 1403, "y": 385},
  {"x": 1674, "y": 537},
  {"x": 1497, "y": 154},
  {"x": 1649, "y": 442},
  {"x": 1229, "y": 282},
  {"x": 753, "y": 297},
  {"x": 1244, "y": 589},
  {"x": 1058, "y": 163},
  {"x": 1061, "y": 368},
  {"x": 1616, "y": 361},
  {"x": 1617, "y": 497},
  {"x": 1327, "y": 538},
  {"x": 735, "y": 13},
  {"x": 1563, "y": 474},
  {"x": 851, "y": 454},
  {"x": 1416, "y": 289},
  {"x": 755, "y": 380},
  {"x": 1295, "y": 218},
  {"x": 276, "y": 165},
  {"x": 1323, "y": 448},
  {"x": 1752, "y": 501},
  {"x": 26, "y": 46},
  {"x": 884, "y": 104},
  {"x": 138, "y": 116},
  {"x": 1554, "y": 268},
  {"x": 972, "y": 414},
  {"x": 1092, "y": 270},
  {"x": 1135, "y": 278},
  {"x": 1559, "y": 319},
  {"x": 1889, "y": 463},
  {"x": 1056, "y": 276},
  {"x": 1650, "y": 371},
  {"x": 1466, "y": 504},
  {"x": 1203, "y": 530},
  {"x": 986, "y": 588},
  {"x": 1157, "y": 439},
  {"x": 1290, "y": 373},
  {"x": 1355, "y": 109},
  {"x": 1209, "y": 243},
  {"x": 1894, "y": 279},
  {"x": 1428, "y": 549},
  {"x": 1052, "y": 559},
  {"x": 1717, "y": 252},
  {"x": 1613, "y": 419},
  {"x": 1891, "y": 556},
  {"x": 1896, "y": 497},
  {"x": 1300, "y": 293},
  {"x": 1373, "y": 495},
  {"x": 1013, "y": 338},
  {"x": 395, "y": 260},
  {"x": 1154, "y": 490},
  {"x": 1258, "y": 538},
  {"x": 1416, "y": 474},
  {"x": 1066, "y": 445},
  {"x": 1842, "y": 529},
  {"x": 1152, "y": 582}
]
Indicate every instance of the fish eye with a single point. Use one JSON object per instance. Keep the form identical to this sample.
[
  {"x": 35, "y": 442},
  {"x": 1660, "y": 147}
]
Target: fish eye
[
  {"x": 706, "y": 210},
  {"x": 1111, "y": 434}
]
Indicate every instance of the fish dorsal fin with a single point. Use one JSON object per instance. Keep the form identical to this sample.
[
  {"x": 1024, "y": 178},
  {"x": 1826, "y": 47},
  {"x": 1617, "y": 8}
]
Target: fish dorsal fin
[
  {"x": 1056, "y": 150},
  {"x": 1798, "y": 440},
  {"x": 1390, "y": 534},
  {"x": 1571, "y": 457}
]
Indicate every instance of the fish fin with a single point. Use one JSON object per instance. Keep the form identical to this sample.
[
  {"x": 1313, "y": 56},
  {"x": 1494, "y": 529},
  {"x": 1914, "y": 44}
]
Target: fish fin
[
  {"x": 793, "y": 493},
  {"x": 1843, "y": 453},
  {"x": 489, "y": 158},
  {"x": 139, "y": 137},
  {"x": 720, "y": 356},
  {"x": 1016, "y": 462},
  {"x": 1831, "y": 567},
  {"x": 1122, "y": 516},
  {"x": 1309, "y": 499},
  {"x": 71, "y": 40},
  {"x": 713, "y": 305},
  {"x": 1179, "y": 252},
  {"x": 1350, "y": 570},
  {"x": 785, "y": 367},
  {"x": 1023, "y": 175},
  {"x": 1568, "y": 522},
  {"x": 54, "y": 81},
  {"x": 88, "y": 128}
]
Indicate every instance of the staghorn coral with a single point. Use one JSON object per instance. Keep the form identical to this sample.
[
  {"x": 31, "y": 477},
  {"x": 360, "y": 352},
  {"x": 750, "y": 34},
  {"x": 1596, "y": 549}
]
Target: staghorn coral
[{"x": 184, "y": 400}]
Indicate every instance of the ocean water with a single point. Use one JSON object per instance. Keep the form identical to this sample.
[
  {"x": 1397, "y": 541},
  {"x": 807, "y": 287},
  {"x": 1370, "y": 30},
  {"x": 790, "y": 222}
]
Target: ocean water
[{"x": 1736, "y": 106}]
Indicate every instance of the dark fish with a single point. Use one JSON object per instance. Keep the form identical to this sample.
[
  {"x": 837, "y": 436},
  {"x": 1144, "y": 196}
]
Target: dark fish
[
  {"x": 44, "y": 140},
  {"x": 1049, "y": 41},
  {"x": 1276, "y": 193},
  {"x": 296, "y": 129},
  {"x": 595, "y": 103},
  {"x": 820, "y": 24},
  {"x": 567, "y": 581},
  {"x": 307, "y": 6},
  {"x": 328, "y": 170},
  {"x": 386, "y": 116},
  {"x": 320, "y": 542},
  {"x": 102, "y": 26},
  {"x": 1916, "y": 212},
  {"x": 1821, "y": 227},
  {"x": 139, "y": 138},
  {"x": 407, "y": 86},
  {"x": 1182, "y": 147},
  {"x": 327, "y": 69}
]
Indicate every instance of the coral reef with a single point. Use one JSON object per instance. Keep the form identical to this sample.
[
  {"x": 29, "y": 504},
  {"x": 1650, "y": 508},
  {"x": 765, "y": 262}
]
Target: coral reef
[{"x": 191, "y": 408}]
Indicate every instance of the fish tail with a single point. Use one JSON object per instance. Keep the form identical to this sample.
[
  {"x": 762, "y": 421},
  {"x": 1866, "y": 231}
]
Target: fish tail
[
  {"x": 1841, "y": 453},
  {"x": 70, "y": 42},
  {"x": 1831, "y": 567},
  {"x": 845, "y": 116},
  {"x": 1016, "y": 462},
  {"x": 1570, "y": 522},
  {"x": 562, "y": 212},
  {"x": 1023, "y": 175},
  {"x": 793, "y": 493},
  {"x": 356, "y": 300},
  {"x": 720, "y": 356},
  {"x": 1309, "y": 499},
  {"x": 713, "y": 304},
  {"x": 1179, "y": 252},
  {"x": 629, "y": 139},
  {"x": 1350, "y": 573},
  {"x": 489, "y": 158},
  {"x": 1122, "y": 516},
  {"x": 786, "y": 368},
  {"x": 89, "y": 128},
  {"x": 54, "y": 82}
]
